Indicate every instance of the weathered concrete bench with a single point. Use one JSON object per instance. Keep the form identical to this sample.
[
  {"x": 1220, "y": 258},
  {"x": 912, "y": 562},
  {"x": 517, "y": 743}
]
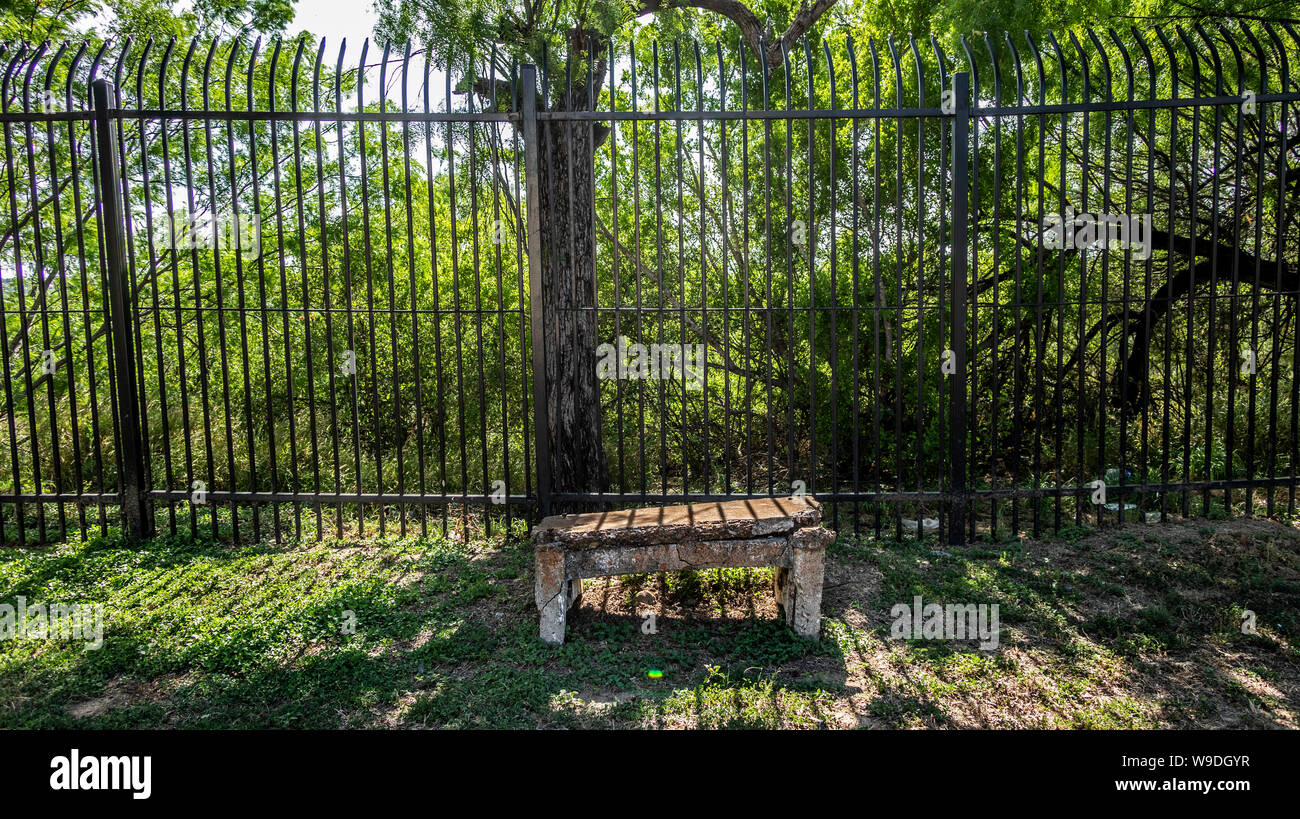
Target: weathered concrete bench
[{"x": 780, "y": 532}]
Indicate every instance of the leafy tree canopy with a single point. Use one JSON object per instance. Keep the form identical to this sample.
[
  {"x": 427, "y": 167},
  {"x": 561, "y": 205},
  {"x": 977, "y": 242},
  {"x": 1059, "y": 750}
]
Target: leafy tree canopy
[{"x": 35, "y": 21}]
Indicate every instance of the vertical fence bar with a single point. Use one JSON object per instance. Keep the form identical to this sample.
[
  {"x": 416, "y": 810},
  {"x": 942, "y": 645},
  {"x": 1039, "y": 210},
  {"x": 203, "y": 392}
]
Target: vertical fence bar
[
  {"x": 1081, "y": 384},
  {"x": 135, "y": 507},
  {"x": 541, "y": 423},
  {"x": 960, "y": 215}
]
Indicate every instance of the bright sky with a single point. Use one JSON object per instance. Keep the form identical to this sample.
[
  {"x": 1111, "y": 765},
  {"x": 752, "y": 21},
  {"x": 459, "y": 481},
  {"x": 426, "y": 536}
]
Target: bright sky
[
  {"x": 355, "y": 20},
  {"x": 336, "y": 19},
  {"x": 332, "y": 19}
]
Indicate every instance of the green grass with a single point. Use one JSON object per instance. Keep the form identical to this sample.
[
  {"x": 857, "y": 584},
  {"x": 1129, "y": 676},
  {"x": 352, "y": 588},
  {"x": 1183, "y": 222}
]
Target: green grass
[{"x": 1134, "y": 628}]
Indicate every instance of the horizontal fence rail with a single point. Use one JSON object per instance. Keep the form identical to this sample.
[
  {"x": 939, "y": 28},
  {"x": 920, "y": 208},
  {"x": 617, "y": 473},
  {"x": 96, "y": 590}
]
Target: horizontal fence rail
[{"x": 270, "y": 291}]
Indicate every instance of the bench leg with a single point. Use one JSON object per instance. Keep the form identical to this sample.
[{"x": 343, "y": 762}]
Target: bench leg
[
  {"x": 783, "y": 589},
  {"x": 575, "y": 592},
  {"x": 805, "y": 581},
  {"x": 552, "y": 592}
]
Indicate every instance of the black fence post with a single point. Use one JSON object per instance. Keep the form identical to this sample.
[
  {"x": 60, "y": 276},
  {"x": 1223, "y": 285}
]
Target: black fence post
[
  {"x": 136, "y": 516},
  {"x": 960, "y": 215},
  {"x": 536, "y": 305}
]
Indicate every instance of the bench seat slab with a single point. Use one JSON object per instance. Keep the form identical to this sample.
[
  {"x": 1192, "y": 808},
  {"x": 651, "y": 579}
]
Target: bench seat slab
[{"x": 729, "y": 520}]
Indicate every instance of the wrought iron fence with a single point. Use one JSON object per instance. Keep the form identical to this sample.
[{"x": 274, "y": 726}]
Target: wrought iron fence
[{"x": 262, "y": 292}]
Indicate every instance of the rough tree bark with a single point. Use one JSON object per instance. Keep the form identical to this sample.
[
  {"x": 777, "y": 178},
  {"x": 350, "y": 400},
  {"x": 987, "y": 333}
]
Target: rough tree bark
[{"x": 567, "y": 187}]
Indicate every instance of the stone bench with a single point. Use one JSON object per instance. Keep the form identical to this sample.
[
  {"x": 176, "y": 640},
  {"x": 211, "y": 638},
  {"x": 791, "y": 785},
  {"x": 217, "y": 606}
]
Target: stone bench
[{"x": 779, "y": 532}]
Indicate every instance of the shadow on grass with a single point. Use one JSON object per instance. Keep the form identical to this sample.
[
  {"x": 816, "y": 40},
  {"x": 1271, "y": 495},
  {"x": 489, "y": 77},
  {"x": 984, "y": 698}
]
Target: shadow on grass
[
  {"x": 1138, "y": 627},
  {"x": 415, "y": 632}
]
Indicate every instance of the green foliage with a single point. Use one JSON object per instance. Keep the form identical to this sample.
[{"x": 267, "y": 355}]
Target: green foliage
[{"x": 399, "y": 243}]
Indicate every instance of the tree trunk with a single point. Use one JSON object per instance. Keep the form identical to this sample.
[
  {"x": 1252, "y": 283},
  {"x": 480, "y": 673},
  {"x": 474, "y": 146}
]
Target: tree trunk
[{"x": 568, "y": 295}]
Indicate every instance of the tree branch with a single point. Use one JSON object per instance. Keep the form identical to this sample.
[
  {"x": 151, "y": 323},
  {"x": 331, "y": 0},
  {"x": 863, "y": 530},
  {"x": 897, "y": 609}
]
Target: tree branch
[{"x": 761, "y": 43}]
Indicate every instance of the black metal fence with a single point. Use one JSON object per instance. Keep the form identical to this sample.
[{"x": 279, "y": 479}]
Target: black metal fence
[{"x": 247, "y": 291}]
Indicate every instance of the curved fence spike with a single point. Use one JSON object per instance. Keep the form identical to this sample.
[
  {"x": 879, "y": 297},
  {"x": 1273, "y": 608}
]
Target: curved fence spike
[
  {"x": 117, "y": 69},
  {"x": 32, "y": 63},
  {"x": 853, "y": 67},
  {"x": 48, "y": 86},
  {"x": 920, "y": 71},
  {"x": 1215, "y": 59},
  {"x": 139, "y": 74},
  {"x": 13, "y": 65},
  {"x": 72, "y": 73},
  {"x": 972, "y": 66},
  {"x": 942, "y": 60},
  {"x": 1019, "y": 67},
  {"x": 997, "y": 69},
  {"x": 1105, "y": 61},
  {"x": 898, "y": 71}
]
